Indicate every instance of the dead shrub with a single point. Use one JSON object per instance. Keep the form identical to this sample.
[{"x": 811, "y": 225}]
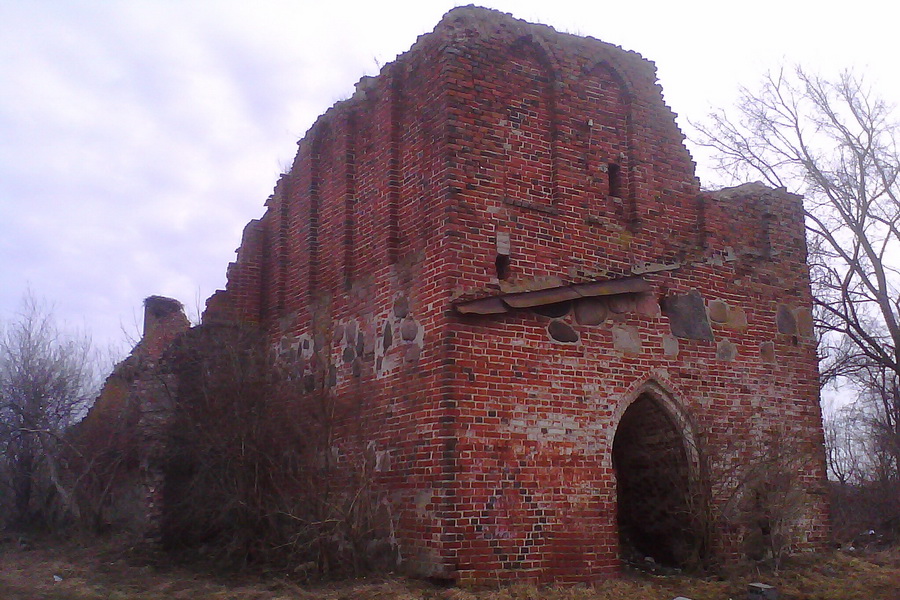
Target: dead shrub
[
  {"x": 264, "y": 469},
  {"x": 750, "y": 499}
]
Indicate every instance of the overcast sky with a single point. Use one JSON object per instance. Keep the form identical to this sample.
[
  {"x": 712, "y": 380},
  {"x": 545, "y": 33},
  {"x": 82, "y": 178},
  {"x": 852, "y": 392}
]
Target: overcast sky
[{"x": 137, "y": 138}]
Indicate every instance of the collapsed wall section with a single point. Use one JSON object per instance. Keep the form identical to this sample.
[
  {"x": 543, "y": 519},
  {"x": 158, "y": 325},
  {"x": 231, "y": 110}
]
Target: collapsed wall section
[{"x": 122, "y": 436}]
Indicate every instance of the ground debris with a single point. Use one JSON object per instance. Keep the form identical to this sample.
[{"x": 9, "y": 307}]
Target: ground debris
[{"x": 116, "y": 569}]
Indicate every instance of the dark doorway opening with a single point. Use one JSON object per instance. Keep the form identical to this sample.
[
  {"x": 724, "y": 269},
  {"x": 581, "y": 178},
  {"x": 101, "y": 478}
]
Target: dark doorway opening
[{"x": 653, "y": 476}]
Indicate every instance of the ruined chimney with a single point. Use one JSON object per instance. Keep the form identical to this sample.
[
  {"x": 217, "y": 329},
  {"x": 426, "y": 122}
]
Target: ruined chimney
[{"x": 164, "y": 320}]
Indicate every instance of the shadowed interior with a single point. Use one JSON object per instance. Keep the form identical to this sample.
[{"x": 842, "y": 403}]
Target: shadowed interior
[{"x": 652, "y": 472}]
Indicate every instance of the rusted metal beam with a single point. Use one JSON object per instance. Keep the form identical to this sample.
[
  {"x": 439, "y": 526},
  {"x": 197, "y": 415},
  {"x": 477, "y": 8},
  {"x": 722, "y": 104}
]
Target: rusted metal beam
[{"x": 503, "y": 302}]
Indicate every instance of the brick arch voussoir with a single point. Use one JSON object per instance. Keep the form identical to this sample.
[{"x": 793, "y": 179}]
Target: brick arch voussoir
[
  {"x": 541, "y": 53},
  {"x": 671, "y": 404},
  {"x": 624, "y": 84}
]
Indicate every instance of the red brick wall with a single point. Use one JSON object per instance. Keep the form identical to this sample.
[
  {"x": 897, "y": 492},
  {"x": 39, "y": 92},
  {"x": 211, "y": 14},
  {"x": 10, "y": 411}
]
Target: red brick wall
[{"x": 499, "y": 436}]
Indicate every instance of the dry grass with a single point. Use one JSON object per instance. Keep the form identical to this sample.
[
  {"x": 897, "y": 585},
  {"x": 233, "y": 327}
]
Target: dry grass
[{"x": 113, "y": 570}]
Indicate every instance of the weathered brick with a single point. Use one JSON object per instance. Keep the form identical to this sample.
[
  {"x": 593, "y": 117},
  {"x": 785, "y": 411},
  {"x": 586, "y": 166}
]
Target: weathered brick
[{"x": 494, "y": 137}]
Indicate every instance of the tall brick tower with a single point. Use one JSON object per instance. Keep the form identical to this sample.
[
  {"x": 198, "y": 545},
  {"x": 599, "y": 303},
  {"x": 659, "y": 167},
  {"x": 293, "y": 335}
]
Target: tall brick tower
[{"x": 547, "y": 331}]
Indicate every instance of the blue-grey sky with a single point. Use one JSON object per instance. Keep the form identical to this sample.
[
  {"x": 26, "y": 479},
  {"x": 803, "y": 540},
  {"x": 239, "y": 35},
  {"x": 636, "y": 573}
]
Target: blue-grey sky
[{"x": 138, "y": 137}]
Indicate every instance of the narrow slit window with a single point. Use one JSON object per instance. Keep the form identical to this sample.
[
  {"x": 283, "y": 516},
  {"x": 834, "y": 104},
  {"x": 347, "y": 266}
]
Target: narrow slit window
[
  {"x": 502, "y": 266},
  {"x": 613, "y": 172}
]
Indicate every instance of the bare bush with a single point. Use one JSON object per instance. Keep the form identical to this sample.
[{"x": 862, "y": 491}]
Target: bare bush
[
  {"x": 48, "y": 378},
  {"x": 104, "y": 455},
  {"x": 751, "y": 499},
  {"x": 704, "y": 504},
  {"x": 772, "y": 500},
  {"x": 862, "y": 442},
  {"x": 256, "y": 471}
]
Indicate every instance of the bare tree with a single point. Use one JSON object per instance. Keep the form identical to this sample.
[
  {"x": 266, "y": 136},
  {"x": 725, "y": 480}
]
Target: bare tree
[
  {"x": 845, "y": 444},
  {"x": 861, "y": 453},
  {"x": 881, "y": 399},
  {"x": 834, "y": 142},
  {"x": 47, "y": 379}
]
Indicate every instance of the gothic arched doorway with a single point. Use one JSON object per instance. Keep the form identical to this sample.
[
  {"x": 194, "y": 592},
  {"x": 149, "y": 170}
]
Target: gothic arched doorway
[{"x": 653, "y": 471}]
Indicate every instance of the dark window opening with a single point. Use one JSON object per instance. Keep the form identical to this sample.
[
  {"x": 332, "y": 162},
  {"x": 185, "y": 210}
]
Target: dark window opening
[
  {"x": 614, "y": 173},
  {"x": 502, "y": 266}
]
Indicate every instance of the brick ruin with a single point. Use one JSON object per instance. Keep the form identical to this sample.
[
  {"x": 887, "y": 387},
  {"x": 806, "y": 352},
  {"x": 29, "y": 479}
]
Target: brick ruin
[{"x": 545, "y": 328}]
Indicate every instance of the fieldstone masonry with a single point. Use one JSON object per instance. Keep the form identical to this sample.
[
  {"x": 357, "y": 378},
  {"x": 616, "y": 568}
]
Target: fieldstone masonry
[{"x": 501, "y": 245}]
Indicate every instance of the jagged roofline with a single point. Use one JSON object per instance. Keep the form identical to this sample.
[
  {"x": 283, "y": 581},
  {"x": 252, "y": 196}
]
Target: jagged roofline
[
  {"x": 463, "y": 30},
  {"x": 462, "y": 24}
]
